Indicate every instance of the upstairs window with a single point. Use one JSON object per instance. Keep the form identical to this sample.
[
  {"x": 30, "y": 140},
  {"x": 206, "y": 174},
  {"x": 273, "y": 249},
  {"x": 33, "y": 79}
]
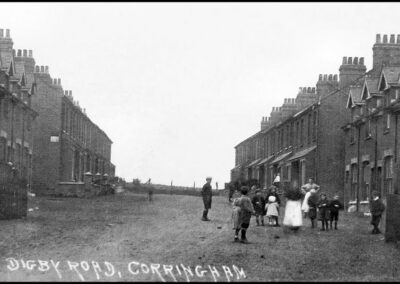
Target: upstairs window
[{"x": 368, "y": 129}]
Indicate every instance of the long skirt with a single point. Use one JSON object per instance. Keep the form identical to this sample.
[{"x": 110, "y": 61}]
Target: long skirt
[
  {"x": 305, "y": 207},
  {"x": 293, "y": 216}
]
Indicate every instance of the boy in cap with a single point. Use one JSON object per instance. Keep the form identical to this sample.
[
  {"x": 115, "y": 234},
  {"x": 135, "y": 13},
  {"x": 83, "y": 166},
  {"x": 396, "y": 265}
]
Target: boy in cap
[
  {"x": 258, "y": 202},
  {"x": 335, "y": 206},
  {"x": 207, "y": 198},
  {"x": 377, "y": 207}
]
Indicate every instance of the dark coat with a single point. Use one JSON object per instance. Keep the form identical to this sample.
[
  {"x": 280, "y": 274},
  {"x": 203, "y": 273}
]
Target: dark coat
[
  {"x": 335, "y": 206},
  {"x": 246, "y": 209},
  {"x": 377, "y": 207},
  {"x": 313, "y": 203},
  {"x": 259, "y": 204},
  {"x": 207, "y": 196},
  {"x": 323, "y": 207}
]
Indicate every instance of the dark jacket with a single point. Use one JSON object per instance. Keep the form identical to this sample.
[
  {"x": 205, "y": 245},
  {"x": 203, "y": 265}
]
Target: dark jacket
[
  {"x": 323, "y": 207},
  {"x": 313, "y": 201},
  {"x": 258, "y": 204},
  {"x": 207, "y": 195},
  {"x": 377, "y": 207},
  {"x": 335, "y": 206}
]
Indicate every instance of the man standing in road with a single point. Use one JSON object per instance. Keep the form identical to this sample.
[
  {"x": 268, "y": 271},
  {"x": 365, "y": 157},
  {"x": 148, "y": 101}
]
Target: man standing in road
[{"x": 207, "y": 197}]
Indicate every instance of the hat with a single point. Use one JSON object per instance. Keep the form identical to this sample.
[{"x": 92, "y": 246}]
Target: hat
[
  {"x": 208, "y": 178},
  {"x": 271, "y": 198}
]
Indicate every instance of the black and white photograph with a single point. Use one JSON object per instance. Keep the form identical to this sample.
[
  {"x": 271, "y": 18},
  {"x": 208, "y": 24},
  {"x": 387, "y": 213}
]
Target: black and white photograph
[{"x": 199, "y": 141}]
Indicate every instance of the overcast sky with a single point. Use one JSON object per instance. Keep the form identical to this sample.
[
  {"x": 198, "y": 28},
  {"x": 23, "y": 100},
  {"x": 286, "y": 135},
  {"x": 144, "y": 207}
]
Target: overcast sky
[{"x": 177, "y": 85}]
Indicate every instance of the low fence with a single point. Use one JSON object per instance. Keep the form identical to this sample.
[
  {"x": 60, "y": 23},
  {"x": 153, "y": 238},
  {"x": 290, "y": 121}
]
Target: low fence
[
  {"x": 13, "y": 194},
  {"x": 165, "y": 189},
  {"x": 90, "y": 187}
]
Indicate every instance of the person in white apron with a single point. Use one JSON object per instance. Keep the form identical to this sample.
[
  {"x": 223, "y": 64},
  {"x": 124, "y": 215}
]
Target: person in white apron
[
  {"x": 306, "y": 191},
  {"x": 293, "y": 218}
]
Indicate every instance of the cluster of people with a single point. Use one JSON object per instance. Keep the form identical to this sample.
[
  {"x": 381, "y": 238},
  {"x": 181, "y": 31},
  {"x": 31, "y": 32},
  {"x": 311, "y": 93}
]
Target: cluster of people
[
  {"x": 301, "y": 202},
  {"x": 259, "y": 206}
]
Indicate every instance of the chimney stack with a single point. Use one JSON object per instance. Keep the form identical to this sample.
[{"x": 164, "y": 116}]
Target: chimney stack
[
  {"x": 391, "y": 38},
  {"x": 378, "y": 38},
  {"x": 1, "y": 33},
  {"x": 41, "y": 69},
  {"x": 54, "y": 81},
  {"x": 385, "y": 53},
  {"x": 59, "y": 81}
]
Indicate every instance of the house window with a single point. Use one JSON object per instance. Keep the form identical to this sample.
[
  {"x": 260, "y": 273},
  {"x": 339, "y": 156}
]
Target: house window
[
  {"x": 2, "y": 149},
  {"x": 301, "y": 132},
  {"x": 368, "y": 129},
  {"x": 388, "y": 185},
  {"x": 352, "y": 135},
  {"x": 309, "y": 129},
  {"x": 366, "y": 178},
  {"x": 378, "y": 102},
  {"x": 353, "y": 190},
  {"x": 387, "y": 126},
  {"x": 314, "y": 126},
  {"x": 6, "y": 109}
]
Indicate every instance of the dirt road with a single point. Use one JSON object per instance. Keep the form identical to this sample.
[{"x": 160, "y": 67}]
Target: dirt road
[{"x": 127, "y": 238}]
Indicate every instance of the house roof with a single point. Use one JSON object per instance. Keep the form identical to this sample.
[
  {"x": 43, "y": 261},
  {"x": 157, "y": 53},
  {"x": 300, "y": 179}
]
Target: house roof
[
  {"x": 371, "y": 86},
  {"x": 354, "y": 96}
]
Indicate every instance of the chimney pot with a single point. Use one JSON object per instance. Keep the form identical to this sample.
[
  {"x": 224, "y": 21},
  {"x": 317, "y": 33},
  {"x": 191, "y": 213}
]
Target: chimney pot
[
  {"x": 55, "y": 81},
  {"x": 320, "y": 77},
  {"x": 66, "y": 93},
  {"x": 309, "y": 90},
  {"x": 325, "y": 77},
  {"x": 46, "y": 69},
  {"x": 391, "y": 38},
  {"x": 335, "y": 77},
  {"x": 361, "y": 62},
  {"x": 14, "y": 53},
  {"x": 1, "y": 32},
  {"x": 350, "y": 60},
  {"x": 398, "y": 39},
  {"x": 378, "y": 38},
  {"x": 355, "y": 61},
  {"x": 385, "y": 39},
  {"x": 25, "y": 53},
  {"x": 344, "y": 60},
  {"x": 19, "y": 52},
  {"x": 41, "y": 68},
  {"x": 30, "y": 53},
  {"x": 59, "y": 81},
  {"x": 37, "y": 68},
  {"x": 330, "y": 77},
  {"x": 7, "y": 33},
  {"x": 70, "y": 93}
]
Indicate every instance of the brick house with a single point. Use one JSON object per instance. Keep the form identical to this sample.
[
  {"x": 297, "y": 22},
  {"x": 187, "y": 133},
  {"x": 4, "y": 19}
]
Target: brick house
[
  {"x": 66, "y": 142},
  {"x": 371, "y": 137},
  {"x": 304, "y": 137},
  {"x": 16, "y": 133}
]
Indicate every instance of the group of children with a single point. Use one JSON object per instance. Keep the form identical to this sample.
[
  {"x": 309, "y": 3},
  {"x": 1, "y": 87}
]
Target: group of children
[
  {"x": 244, "y": 208},
  {"x": 318, "y": 206},
  {"x": 325, "y": 210}
]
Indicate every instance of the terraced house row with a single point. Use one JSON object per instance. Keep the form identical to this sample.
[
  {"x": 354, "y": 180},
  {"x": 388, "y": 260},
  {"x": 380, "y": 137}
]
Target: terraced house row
[
  {"x": 343, "y": 132},
  {"x": 45, "y": 134}
]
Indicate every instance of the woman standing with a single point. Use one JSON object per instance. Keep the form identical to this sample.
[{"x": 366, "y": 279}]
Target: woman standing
[
  {"x": 293, "y": 218},
  {"x": 306, "y": 191}
]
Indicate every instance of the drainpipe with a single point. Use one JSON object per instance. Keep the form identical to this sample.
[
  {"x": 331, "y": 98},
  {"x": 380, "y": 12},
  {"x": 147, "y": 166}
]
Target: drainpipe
[
  {"x": 376, "y": 153},
  {"x": 395, "y": 155},
  {"x": 358, "y": 168}
]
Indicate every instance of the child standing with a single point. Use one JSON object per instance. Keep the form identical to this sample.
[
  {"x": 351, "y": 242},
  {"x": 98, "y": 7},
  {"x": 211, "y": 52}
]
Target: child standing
[
  {"x": 323, "y": 207},
  {"x": 258, "y": 202},
  {"x": 312, "y": 203},
  {"x": 244, "y": 214},
  {"x": 377, "y": 208},
  {"x": 272, "y": 210},
  {"x": 334, "y": 208}
]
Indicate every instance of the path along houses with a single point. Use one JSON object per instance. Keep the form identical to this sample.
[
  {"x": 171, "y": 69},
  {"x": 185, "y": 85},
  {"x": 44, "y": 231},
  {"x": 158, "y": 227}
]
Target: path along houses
[{"x": 343, "y": 132}]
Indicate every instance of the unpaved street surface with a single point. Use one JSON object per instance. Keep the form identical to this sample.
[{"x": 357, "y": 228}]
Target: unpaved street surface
[{"x": 125, "y": 237}]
